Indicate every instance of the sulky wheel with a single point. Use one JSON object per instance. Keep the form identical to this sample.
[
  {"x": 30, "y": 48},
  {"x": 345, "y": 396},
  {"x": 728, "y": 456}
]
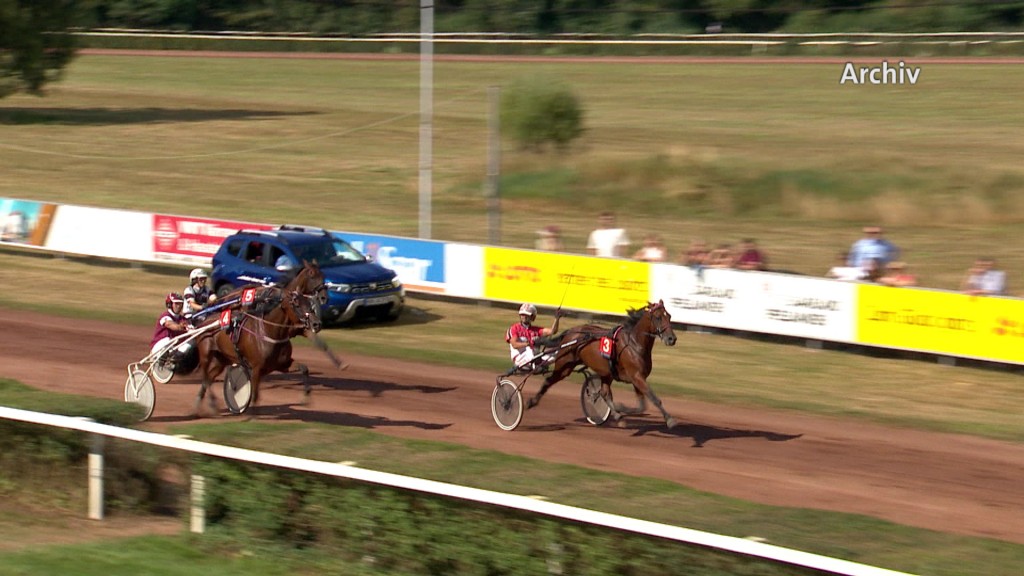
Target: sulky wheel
[
  {"x": 161, "y": 370},
  {"x": 595, "y": 409},
  {"x": 139, "y": 389},
  {"x": 237, "y": 388},
  {"x": 507, "y": 405}
]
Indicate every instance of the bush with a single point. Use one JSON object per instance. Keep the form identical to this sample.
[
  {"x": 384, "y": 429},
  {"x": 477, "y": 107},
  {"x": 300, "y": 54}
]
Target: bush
[{"x": 539, "y": 111}]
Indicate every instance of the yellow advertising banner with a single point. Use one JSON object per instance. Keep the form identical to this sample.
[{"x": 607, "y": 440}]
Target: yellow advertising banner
[
  {"x": 579, "y": 282},
  {"x": 942, "y": 322}
]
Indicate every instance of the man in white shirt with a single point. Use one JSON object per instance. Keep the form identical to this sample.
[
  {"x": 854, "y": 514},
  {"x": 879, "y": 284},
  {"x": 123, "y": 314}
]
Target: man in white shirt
[
  {"x": 984, "y": 280},
  {"x": 608, "y": 240}
]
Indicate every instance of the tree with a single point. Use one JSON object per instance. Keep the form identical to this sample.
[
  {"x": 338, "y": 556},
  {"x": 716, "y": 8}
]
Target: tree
[
  {"x": 35, "y": 43},
  {"x": 540, "y": 111}
]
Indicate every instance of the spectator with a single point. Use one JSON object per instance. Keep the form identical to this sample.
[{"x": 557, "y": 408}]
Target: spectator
[
  {"x": 284, "y": 263},
  {"x": 721, "y": 257},
  {"x": 751, "y": 258},
  {"x": 696, "y": 255},
  {"x": 608, "y": 240},
  {"x": 873, "y": 271},
  {"x": 896, "y": 275},
  {"x": 984, "y": 280},
  {"x": 652, "y": 251},
  {"x": 550, "y": 238},
  {"x": 871, "y": 246},
  {"x": 843, "y": 272}
]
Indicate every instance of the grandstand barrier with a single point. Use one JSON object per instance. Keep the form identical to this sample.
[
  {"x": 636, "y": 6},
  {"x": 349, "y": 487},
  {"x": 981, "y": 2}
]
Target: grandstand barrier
[{"x": 946, "y": 324}]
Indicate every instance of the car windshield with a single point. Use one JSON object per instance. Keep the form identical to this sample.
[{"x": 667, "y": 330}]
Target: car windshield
[{"x": 330, "y": 253}]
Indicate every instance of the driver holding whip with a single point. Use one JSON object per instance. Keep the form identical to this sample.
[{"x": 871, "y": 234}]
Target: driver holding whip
[{"x": 523, "y": 335}]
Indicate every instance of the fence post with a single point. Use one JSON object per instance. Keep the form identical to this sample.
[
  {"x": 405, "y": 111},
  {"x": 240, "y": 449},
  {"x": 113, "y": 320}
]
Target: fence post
[
  {"x": 198, "y": 517},
  {"x": 96, "y": 477}
]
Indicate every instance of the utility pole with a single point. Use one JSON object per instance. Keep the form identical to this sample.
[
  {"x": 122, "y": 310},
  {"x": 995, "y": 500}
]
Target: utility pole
[
  {"x": 493, "y": 166},
  {"x": 426, "y": 113}
]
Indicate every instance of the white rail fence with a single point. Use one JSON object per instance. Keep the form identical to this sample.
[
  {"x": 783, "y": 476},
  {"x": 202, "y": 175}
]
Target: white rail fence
[
  {"x": 523, "y": 503},
  {"x": 755, "y": 41}
]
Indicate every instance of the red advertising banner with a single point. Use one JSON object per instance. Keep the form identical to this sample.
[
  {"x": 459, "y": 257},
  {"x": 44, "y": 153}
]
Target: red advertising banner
[{"x": 188, "y": 239}]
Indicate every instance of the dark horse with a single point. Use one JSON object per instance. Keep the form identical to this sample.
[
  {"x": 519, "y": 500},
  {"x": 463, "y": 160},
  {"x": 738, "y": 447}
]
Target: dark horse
[
  {"x": 622, "y": 353},
  {"x": 261, "y": 338}
]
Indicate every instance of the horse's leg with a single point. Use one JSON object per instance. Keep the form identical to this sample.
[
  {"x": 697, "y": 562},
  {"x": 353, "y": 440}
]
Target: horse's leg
[
  {"x": 644, "y": 390},
  {"x": 556, "y": 375},
  {"x": 307, "y": 388},
  {"x": 254, "y": 381},
  {"x": 209, "y": 372},
  {"x": 606, "y": 393}
]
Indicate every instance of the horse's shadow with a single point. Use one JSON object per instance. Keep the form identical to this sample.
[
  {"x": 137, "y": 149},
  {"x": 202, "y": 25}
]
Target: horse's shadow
[
  {"x": 291, "y": 413},
  {"x": 376, "y": 388},
  {"x": 700, "y": 433}
]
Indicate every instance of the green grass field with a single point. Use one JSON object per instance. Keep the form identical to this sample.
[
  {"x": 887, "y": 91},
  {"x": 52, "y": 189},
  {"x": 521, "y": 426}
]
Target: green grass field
[
  {"x": 781, "y": 153},
  {"x": 721, "y": 151}
]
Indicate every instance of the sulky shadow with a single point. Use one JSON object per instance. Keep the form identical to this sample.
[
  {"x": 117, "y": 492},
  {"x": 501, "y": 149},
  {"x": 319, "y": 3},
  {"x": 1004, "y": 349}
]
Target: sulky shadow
[{"x": 111, "y": 116}]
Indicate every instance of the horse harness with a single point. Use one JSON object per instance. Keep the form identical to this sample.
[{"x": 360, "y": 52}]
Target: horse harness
[
  {"x": 608, "y": 343},
  {"x": 236, "y": 324}
]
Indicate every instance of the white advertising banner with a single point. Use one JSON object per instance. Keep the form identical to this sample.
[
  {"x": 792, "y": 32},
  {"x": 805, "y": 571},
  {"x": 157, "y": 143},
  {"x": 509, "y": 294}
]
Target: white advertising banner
[
  {"x": 708, "y": 297},
  {"x": 102, "y": 232},
  {"x": 798, "y": 306},
  {"x": 464, "y": 270},
  {"x": 803, "y": 306}
]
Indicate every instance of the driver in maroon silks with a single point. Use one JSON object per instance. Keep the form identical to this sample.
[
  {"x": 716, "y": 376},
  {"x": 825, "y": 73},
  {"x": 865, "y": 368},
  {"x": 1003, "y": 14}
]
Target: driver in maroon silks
[{"x": 171, "y": 324}]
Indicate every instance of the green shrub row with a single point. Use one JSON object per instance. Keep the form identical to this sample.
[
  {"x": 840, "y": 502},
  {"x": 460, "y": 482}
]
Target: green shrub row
[{"x": 407, "y": 532}]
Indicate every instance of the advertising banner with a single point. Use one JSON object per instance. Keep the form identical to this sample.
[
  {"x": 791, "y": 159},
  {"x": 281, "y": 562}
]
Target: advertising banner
[
  {"x": 25, "y": 221},
  {"x": 801, "y": 306},
  {"x": 191, "y": 240},
  {"x": 942, "y": 322},
  {"x": 798, "y": 306},
  {"x": 602, "y": 285},
  {"x": 419, "y": 263},
  {"x": 708, "y": 297},
  {"x": 101, "y": 232}
]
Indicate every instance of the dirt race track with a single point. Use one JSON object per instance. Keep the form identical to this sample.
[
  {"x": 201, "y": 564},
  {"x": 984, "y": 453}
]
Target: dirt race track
[{"x": 943, "y": 482}]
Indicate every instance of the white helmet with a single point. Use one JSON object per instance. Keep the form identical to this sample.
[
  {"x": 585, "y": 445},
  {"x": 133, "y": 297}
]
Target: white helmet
[
  {"x": 196, "y": 274},
  {"x": 529, "y": 310}
]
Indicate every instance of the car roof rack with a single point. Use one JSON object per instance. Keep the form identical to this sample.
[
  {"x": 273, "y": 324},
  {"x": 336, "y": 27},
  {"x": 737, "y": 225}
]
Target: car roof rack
[
  {"x": 300, "y": 228},
  {"x": 271, "y": 233}
]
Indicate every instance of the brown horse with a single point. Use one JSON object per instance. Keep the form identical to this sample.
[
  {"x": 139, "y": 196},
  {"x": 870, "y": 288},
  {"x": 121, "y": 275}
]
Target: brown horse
[
  {"x": 261, "y": 338},
  {"x": 309, "y": 281},
  {"x": 622, "y": 353}
]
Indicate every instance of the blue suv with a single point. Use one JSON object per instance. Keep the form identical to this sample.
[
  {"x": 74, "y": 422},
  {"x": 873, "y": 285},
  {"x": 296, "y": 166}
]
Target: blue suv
[{"x": 356, "y": 286}]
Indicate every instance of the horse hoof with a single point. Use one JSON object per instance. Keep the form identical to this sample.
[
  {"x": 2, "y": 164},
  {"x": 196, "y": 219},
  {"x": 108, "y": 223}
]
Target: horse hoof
[
  {"x": 671, "y": 423},
  {"x": 531, "y": 403}
]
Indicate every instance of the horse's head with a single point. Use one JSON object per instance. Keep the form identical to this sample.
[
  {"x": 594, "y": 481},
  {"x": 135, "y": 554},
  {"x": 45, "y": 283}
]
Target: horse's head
[
  {"x": 661, "y": 322},
  {"x": 309, "y": 282},
  {"x": 302, "y": 310}
]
